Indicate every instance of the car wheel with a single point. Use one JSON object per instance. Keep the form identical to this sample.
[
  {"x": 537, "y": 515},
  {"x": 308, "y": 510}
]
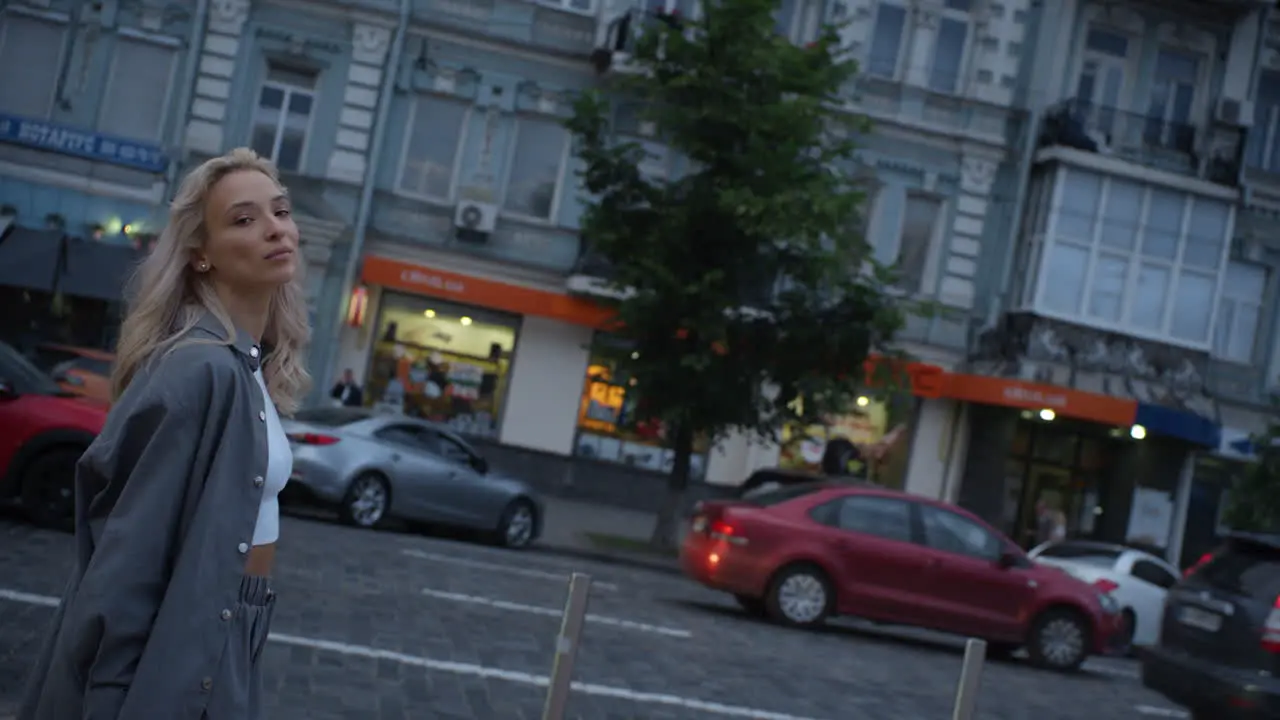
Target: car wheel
[
  {"x": 518, "y": 525},
  {"x": 800, "y": 596},
  {"x": 367, "y": 501},
  {"x": 48, "y": 488},
  {"x": 752, "y": 605},
  {"x": 1059, "y": 640}
]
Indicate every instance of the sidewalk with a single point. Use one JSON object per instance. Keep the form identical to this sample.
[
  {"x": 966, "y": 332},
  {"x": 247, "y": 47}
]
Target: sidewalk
[{"x": 602, "y": 533}]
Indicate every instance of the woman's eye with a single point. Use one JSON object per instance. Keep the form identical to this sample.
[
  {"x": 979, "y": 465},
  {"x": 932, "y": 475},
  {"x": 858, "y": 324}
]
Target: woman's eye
[
  {"x": 243, "y": 220},
  {"x": 283, "y": 213}
]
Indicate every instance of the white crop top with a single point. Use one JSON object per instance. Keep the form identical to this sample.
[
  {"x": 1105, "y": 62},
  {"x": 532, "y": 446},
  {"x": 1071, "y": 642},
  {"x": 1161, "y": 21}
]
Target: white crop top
[{"x": 279, "y": 467}]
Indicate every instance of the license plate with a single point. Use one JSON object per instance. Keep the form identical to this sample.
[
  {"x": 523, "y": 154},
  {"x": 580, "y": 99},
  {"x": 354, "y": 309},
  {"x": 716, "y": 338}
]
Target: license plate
[{"x": 1201, "y": 619}]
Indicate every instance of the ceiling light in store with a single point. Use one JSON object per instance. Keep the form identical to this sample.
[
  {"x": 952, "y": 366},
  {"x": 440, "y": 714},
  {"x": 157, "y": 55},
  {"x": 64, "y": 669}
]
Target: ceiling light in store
[
  {"x": 863, "y": 401},
  {"x": 635, "y": 356},
  {"x": 429, "y": 313},
  {"x": 1137, "y": 432},
  {"x": 464, "y": 320},
  {"x": 1047, "y": 415}
]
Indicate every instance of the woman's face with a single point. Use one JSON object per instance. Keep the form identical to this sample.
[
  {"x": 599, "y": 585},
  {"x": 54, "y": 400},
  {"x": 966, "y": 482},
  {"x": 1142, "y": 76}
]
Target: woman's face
[{"x": 251, "y": 240}]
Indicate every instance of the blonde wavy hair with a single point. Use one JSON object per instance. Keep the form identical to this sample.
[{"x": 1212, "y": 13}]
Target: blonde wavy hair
[{"x": 168, "y": 298}]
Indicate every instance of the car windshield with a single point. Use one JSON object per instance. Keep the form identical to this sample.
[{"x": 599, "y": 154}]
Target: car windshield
[
  {"x": 25, "y": 377},
  {"x": 1246, "y": 568},
  {"x": 332, "y": 417},
  {"x": 1098, "y": 555}
]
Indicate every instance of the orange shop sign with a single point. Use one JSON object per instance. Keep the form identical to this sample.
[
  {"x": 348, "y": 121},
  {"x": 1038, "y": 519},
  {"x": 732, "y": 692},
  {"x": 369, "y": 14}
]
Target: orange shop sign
[
  {"x": 1010, "y": 392},
  {"x": 923, "y": 379},
  {"x": 482, "y": 292}
]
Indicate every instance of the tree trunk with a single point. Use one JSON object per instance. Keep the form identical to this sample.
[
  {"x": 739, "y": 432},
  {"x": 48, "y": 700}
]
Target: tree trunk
[{"x": 664, "y": 530}]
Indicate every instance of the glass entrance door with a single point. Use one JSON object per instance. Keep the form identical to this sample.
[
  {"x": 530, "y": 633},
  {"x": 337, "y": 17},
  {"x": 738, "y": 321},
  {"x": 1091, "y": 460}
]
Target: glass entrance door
[{"x": 1051, "y": 486}]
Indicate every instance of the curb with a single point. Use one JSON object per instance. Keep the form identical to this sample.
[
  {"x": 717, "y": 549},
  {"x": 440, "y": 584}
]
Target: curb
[{"x": 669, "y": 567}]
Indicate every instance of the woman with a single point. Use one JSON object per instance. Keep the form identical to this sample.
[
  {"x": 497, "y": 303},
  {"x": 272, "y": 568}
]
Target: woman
[{"x": 169, "y": 605}]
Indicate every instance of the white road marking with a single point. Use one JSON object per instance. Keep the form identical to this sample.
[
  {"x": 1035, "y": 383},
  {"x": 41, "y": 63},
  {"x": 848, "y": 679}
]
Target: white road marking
[
  {"x": 1105, "y": 668},
  {"x": 555, "y": 613},
  {"x": 507, "y": 569},
  {"x": 1161, "y": 712},
  {"x": 481, "y": 671}
]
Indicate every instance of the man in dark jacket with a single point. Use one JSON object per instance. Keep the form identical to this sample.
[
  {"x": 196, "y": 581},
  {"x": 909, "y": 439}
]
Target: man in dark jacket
[{"x": 346, "y": 391}]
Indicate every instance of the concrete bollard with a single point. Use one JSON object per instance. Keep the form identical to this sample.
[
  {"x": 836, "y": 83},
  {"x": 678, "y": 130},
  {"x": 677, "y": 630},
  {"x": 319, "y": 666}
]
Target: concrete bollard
[
  {"x": 575, "y": 616},
  {"x": 975, "y": 653}
]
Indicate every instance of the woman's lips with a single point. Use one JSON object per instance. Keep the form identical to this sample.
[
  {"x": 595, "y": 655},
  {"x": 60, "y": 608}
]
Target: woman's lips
[{"x": 279, "y": 254}]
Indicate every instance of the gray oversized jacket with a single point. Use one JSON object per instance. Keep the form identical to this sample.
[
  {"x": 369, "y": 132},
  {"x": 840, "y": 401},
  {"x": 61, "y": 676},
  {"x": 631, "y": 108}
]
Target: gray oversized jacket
[{"x": 166, "y": 502}]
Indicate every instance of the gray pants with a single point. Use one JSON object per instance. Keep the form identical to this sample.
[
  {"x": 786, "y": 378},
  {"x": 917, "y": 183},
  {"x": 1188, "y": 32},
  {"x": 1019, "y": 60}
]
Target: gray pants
[{"x": 237, "y": 689}]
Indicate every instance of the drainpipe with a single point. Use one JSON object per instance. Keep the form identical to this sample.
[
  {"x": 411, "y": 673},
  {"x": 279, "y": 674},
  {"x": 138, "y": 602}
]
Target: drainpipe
[
  {"x": 1019, "y": 204},
  {"x": 177, "y": 141},
  {"x": 370, "y": 180}
]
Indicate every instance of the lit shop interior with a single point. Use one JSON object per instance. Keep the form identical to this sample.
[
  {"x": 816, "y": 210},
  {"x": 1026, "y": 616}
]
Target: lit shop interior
[
  {"x": 877, "y": 426},
  {"x": 442, "y": 362}
]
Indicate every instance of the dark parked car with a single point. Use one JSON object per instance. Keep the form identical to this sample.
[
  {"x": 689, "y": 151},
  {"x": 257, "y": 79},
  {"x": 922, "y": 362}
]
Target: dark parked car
[{"x": 1219, "y": 648}]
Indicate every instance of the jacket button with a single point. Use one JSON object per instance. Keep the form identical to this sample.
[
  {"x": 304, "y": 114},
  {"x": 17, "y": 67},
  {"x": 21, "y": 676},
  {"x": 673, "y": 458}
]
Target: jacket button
[
  {"x": 258, "y": 481},
  {"x": 262, "y": 415},
  {"x": 253, "y": 351},
  {"x": 206, "y": 684},
  {"x": 243, "y": 548},
  {"x": 225, "y": 614}
]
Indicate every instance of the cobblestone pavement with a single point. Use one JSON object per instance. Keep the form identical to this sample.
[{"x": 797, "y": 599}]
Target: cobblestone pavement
[{"x": 380, "y": 625}]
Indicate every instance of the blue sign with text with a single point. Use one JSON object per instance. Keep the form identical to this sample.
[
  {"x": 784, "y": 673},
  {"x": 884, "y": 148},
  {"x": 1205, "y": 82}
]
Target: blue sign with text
[{"x": 44, "y": 135}]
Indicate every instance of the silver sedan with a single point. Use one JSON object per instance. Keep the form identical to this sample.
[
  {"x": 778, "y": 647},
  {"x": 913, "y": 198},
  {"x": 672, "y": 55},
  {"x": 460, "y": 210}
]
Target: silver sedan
[{"x": 374, "y": 466}]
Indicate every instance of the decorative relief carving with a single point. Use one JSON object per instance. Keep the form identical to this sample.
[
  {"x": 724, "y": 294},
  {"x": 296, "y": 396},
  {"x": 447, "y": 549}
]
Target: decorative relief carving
[
  {"x": 977, "y": 174},
  {"x": 1055, "y": 352},
  {"x": 926, "y": 17},
  {"x": 370, "y": 43},
  {"x": 229, "y": 15}
]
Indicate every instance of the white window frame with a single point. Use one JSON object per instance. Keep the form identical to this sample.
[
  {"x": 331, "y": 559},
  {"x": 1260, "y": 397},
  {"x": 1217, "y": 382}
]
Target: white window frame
[
  {"x": 928, "y": 273},
  {"x": 411, "y": 126},
  {"x": 1268, "y": 126},
  {"x": 1120, "y": 127},
  {"x": 1122, "y": 326},
  {"x": 558, "y": 195},
  {"x": 566, "y": 6},
  {"x": 288, "y": 89},
  {"x": 805, "y": 22},
  {"x": 904, "y": 45},
  {"x": 1197, "y": 95},
  {"x": 962, "y": 16},
  {"x": 59, "y": 19},
  {"x": 166, "y": 110},
  {"x": 1258, "y": 303}
]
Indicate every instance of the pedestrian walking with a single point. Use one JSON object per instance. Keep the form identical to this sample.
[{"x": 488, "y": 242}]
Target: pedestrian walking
[
  {"x": 168, "y": 608},
  {"x": 346, "y": 391}
]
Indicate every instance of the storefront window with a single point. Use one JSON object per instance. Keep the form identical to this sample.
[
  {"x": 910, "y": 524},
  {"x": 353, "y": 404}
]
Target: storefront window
[
  {"x": 442, "y": 362},
  {"x": 608, "y": 426},
  {"x": 870, "y": 441}
]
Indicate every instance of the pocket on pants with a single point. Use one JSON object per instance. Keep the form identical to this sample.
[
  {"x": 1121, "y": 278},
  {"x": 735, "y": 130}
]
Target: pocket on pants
[{"x": 261, "y": 627}]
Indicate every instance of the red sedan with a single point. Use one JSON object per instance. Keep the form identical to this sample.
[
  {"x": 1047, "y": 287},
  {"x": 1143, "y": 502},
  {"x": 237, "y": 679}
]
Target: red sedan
[{"x": 804, "y": 553}]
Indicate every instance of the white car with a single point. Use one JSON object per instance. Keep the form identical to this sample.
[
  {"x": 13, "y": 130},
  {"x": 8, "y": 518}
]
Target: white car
[{"x": 1137, "y": 580}]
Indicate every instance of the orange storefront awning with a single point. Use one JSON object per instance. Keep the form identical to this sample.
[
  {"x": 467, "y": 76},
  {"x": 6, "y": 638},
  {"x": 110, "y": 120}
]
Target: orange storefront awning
[
  {"x": 482, "y": 292},
  {"x": 1066, "y": 402}
]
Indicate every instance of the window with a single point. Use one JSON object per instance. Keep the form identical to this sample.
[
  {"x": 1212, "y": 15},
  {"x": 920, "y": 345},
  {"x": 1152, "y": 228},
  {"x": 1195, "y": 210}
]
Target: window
[
  {"x": 1083, "y": 553},
  {"x": 283, "y": 116},
  {"x": 441, "y": 362},
  {"x": 30, "y": 61},
  {"x": 1264, "y": 137},
  {"x": 915, "y": 243},
  {"x": 437, "y": 132},
  {"x": 1150, "y": 572},
  {"x": 888, "y": 41},
  {"x": 410, "y": 436},
  {"x": 949, "y": 532},
  {"x": 533, "y": 181},
  {"x": 137, "y": 92},
  {"x": 580, "y": 5},
  {"x": 1239, "y": 310},
  {"x": 608, "y": 426},
  {"x": 1134, "y": 258},
  {"x": 1103, "y": 78},
  {"x": 453, "y": 451},
  {"x": 800, "y": 20},
  {"x": 949, "y": 48},
  {"x": 883, "y": 517},
  {"x": 1173, "y": 92}
]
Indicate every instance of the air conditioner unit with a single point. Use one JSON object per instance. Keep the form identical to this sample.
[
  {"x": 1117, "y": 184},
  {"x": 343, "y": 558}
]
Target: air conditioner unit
[
  {"x": 475, "y": 217},
  {"x": 1235, "y": 112}
]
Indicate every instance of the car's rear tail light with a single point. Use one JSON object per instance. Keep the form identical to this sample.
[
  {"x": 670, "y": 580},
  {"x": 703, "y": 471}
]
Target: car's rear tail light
[
  {"x": 1271, "y": 629},
  {"x": 1105, "y": 586},
  {"x": 1204, "y": 560},
  {"x": 721, "y": 530},
  {"x": 312, "y": 439}
]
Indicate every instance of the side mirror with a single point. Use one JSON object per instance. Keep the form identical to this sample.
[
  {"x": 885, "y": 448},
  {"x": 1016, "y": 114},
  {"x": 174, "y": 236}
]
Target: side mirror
[
  {"x": 479, "y": 464},
  {"x": 1009, "y": 559},
  {"x": 7, "y": 390}
]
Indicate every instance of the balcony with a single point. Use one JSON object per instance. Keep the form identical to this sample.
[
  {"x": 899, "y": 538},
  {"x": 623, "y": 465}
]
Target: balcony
[
  {"x": 1208, "y": 153},
  {"x": 621, "y": 23}
]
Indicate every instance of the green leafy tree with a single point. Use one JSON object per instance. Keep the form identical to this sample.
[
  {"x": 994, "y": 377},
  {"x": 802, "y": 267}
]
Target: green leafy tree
[
  {"x": 1254, "y": 504},
  {"x": 745, "y": 287}
]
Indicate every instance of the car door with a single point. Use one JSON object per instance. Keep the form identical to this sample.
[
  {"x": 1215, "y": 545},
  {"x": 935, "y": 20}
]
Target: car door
[
  {"x": 1149, "y": 585},
  {"x": 968, "y": 591},
  {"x": 880, "y": 564},
  {"x": 461, "y": 490},
  {"x": 416, "y": 469}
]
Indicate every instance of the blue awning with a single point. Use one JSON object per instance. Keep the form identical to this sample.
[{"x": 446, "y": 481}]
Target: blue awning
[{"x": 1180, "y": 424}]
